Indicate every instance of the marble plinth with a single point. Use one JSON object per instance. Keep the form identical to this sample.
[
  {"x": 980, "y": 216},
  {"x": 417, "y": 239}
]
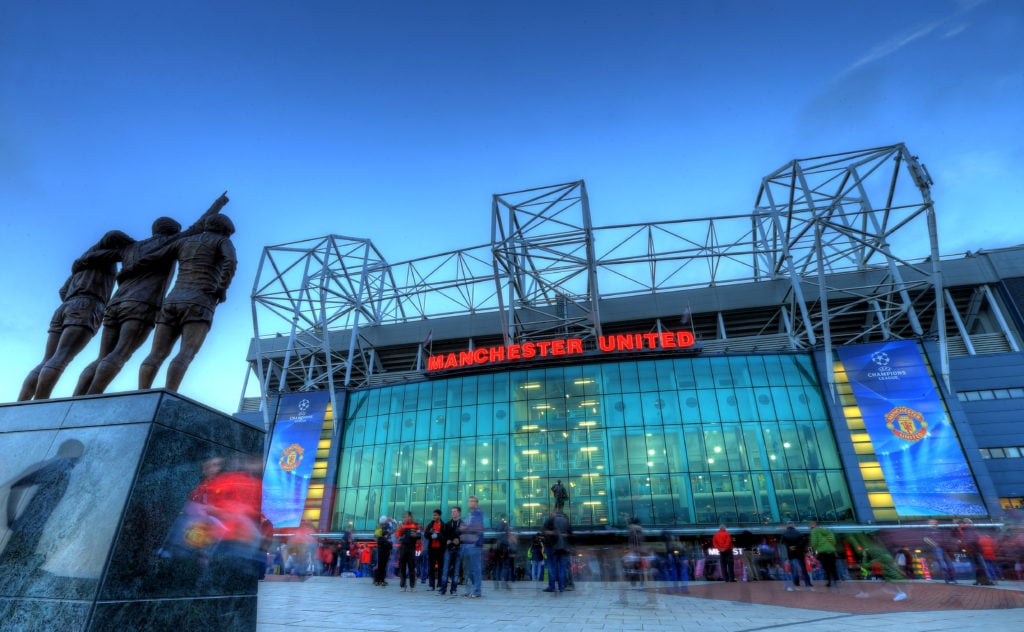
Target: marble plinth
[{"x": 91, "y": 490}]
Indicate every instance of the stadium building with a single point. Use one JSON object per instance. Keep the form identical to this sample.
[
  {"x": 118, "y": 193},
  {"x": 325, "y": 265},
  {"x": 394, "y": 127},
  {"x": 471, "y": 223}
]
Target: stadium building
[{"x": 814, "y": 358}]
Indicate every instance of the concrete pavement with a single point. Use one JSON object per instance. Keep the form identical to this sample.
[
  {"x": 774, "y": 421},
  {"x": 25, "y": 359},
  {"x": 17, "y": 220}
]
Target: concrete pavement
[{"x": 334, "y": 603}]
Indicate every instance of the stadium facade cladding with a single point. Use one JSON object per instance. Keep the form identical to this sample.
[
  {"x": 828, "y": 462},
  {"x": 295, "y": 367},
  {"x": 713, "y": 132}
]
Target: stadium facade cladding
[{"x": 813, "y": 358}]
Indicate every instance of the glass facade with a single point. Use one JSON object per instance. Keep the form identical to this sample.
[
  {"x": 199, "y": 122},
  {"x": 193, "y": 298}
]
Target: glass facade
[{"x": 672, "y": 442}]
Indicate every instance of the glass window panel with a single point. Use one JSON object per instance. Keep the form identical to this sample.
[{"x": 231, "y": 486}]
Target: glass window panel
[
  {"x": 763, "y": 497},
  {"x": 484, "y": 460},
  {"x": 467, "y": 460},
  {"x": 439, "y": 399},
  {"x": 682, "y": 498},
  {"x": 640, "y": 492},
  {"x": 668, "y": 404},
  {"x": 815, "y": 403},
  {"x": 636, "y": 452},
  {"x": 394, "y": 428},
  {"x": 740, "y": 371},
  {"x": 501, "y": 420},
  {"x": 708, "y": 401},
  {"x": 424, "y": 396},
  {"x": 696, "y": 456},
  {"x": 725, "y": 503},
  {"x": 483, "y": 416},
  {"x": 732, "y": 436},
  {"x": 728, "y": 408},
  {"x": 755, "y": 457},
  {"x": 652, "y": 405},
  {"x": 684, "y": 373},
  {"x": 784, "y": 497},
  {"x": 773, "y": 368},
  {"x": 408, "y": 429},
  {"x": 703, "y": 499},
  {"x": 666, "y": 375},
  {"x": 765, "y": 404},
  {"x": 628, "y": 378},
  {"x": 632, "y": 411},
  {"x": 791, "y": 447},
  {"x": 611, "y": 382},
  {"x": 454, "y": 392},
  {"x": 690, "y": 406},
  {"x": 722, "y": 372},
  {"x": 702, "y": 374},
  {"x": 715, "y": 443},
  {"x": 436, "y": 423},
  {"x": 809, "y": 445},
  {"x": 746, "y": 405},
  {"x": 757, "y": 371},
  {"x": 484, "y": 389},
  {"x": 657, "y": 453},
  {"x": 661, "y": 499},
  {"x": 783, "y": 407},
  {"x": 501, "y": 387},
  {"x": 840, "y": 496},
  {"x": 799, "y": 401},
  {"x": 743, "y": 495},
  {"x": 453, "y": 421},
  {"x": 357, "y": 404},
  {"x": 675, "y": 455},
  {"x": 452, "y": 459},
  {"x": 773, "y": 446},
  {"x": 647, "y": 375}
]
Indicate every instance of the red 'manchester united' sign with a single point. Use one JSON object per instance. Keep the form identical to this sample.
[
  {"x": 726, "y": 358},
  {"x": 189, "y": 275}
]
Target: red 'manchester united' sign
[{"x": 558, "y": 348}]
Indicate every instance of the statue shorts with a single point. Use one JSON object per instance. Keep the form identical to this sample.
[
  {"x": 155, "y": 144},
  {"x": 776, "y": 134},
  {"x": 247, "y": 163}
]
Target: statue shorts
[
  {"x": 122, "y": 311},
  {"x": 82, "y": 310},
  {"x": 178, "y": 315}
]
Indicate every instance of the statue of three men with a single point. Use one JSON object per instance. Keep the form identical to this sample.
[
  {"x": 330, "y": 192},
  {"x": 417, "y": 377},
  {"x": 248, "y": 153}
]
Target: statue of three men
[{"x": 206, "y": 263}]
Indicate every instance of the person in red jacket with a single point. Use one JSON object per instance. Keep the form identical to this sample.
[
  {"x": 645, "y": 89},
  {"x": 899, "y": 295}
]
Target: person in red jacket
[
  {"x": 408, "y": 535},
  {"x": 723, "y": 542}
]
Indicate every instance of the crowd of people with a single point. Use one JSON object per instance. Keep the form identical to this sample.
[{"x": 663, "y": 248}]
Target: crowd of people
[{"x": 449, "y": 556}]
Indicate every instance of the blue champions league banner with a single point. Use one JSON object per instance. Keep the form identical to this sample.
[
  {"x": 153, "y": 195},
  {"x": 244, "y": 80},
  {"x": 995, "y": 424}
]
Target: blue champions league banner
[
  {"x": 292, "y": 453},
  {"x": 917, "y": 447}
]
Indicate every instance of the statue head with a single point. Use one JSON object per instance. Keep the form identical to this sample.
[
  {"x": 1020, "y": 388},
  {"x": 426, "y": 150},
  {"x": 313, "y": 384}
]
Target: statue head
[
  {"x": 115, "y": 239},
  {"x": 166, "y": 226},
  {"x": 220, "y": 224}
]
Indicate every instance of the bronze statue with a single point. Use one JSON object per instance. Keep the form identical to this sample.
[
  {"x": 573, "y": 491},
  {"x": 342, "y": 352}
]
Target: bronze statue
[
  {"x": 83, "y": 297},
  {"x": 132, "y": 312},
  {"x": 206, "y": 265}
]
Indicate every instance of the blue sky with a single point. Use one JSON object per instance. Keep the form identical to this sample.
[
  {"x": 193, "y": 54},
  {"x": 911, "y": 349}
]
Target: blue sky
[{"x": 398, "y": 120}]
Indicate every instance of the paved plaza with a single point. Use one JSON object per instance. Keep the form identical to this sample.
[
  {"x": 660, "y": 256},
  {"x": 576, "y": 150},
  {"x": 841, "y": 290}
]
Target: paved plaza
[{"x": 331, "y": 603}]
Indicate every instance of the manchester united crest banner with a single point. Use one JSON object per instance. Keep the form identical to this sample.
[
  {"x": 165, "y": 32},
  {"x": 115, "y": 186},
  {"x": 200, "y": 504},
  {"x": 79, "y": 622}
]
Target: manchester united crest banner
[
  {"x": 292, "y": 453},
  {"x": 917, "y": 446}
]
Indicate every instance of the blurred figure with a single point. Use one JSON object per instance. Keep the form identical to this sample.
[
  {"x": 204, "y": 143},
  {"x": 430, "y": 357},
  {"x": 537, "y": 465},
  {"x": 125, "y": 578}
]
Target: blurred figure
[
  {"x": 536, "y": 556},
  {"x": 795, "y": 544},
  {"x": 748, "y": 544},
  {"x": 556, "y": 543},
  {"x": 635, "y": 563},
  {"x": 941, "y": 543},
  {"x": 823, "y": 541},
  {"x": 383, "y": 535},
  {"x": 722, "y": 541},
  {"x": 434, "y": 543},
  {"x": 408, "y": 535},
  {"x": 451, "y": 571},
  {"x": 472, "y": 537},
  {"x": 303, "y": 545}
]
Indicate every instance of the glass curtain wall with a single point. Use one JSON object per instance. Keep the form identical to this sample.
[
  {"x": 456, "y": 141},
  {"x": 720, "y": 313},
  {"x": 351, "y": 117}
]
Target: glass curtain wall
[{"x": 671, "y": 442}]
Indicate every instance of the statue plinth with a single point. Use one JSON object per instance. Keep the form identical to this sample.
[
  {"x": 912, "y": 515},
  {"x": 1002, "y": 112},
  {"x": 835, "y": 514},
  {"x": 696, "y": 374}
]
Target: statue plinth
[{"x": 94, "y": 501}]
